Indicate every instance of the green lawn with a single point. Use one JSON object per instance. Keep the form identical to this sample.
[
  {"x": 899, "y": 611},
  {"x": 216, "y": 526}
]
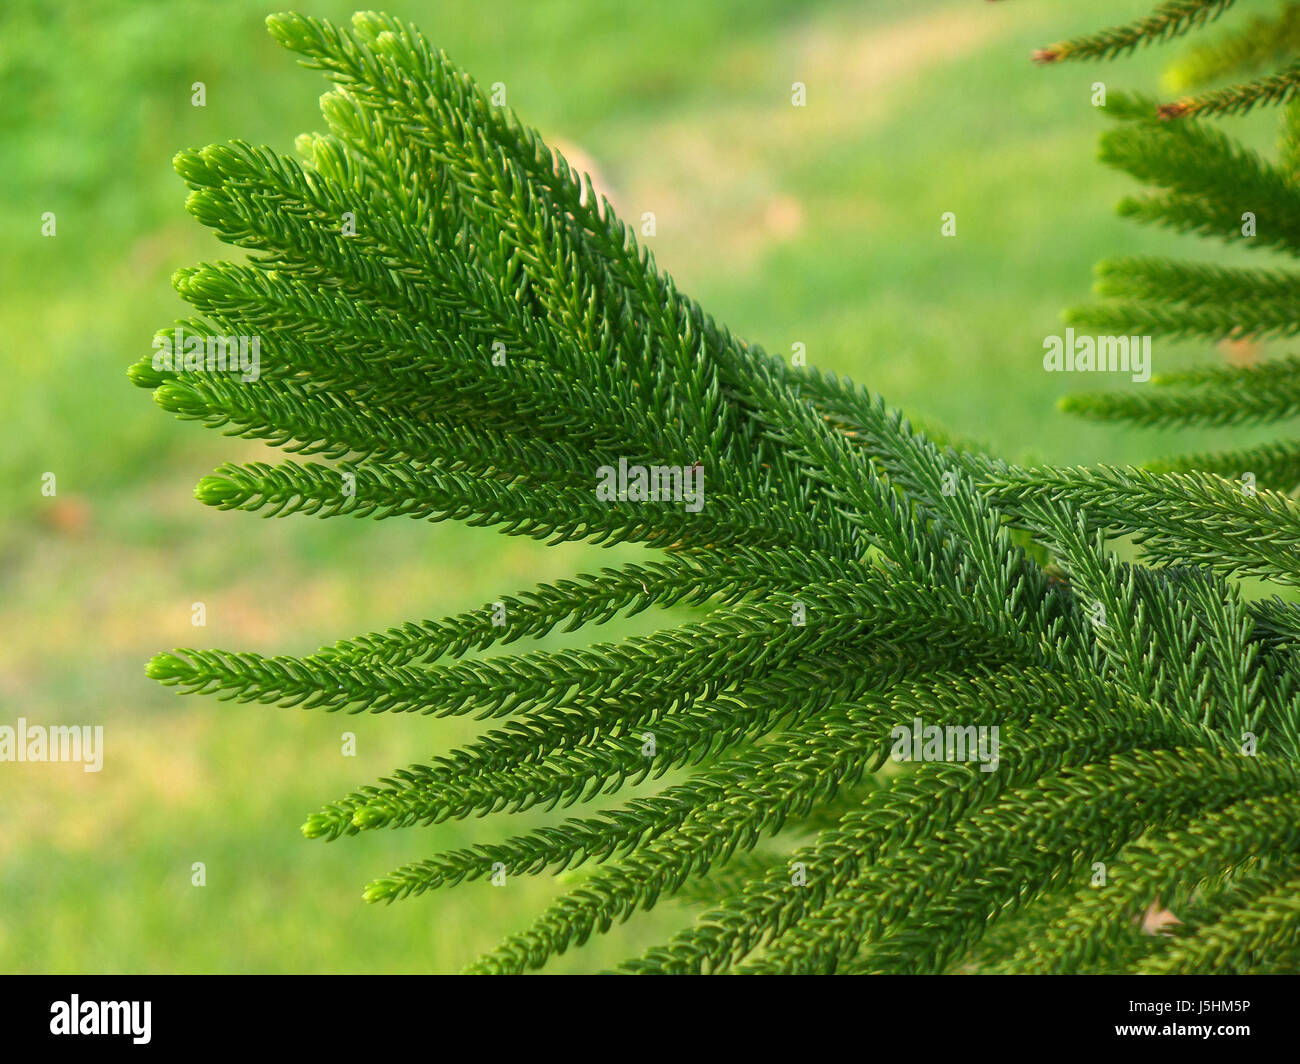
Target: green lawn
[{"x": 816, "y": 225}]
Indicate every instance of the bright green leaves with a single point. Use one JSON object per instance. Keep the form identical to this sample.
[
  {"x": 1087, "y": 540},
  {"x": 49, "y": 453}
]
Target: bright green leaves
[{"x": 458, "y": 326}]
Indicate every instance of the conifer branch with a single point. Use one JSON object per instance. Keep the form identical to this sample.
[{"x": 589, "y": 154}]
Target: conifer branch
[{"x": 460, "y": 327}]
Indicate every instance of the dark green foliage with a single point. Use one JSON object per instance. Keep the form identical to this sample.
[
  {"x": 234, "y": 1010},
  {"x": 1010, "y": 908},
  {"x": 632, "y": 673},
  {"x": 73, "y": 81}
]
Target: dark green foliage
[
  {"x": 1205, "y": 182},
  {"x": 491, "y": 334}
]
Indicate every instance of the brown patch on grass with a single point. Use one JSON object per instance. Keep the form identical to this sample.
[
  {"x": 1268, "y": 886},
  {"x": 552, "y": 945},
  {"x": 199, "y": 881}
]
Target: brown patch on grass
[
  {"x": 719, "y": 174},
  {"x": 879, "y": 57}
]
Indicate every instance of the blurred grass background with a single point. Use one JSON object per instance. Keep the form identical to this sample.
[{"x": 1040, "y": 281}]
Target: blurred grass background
[{"x": 817, "y": 225}]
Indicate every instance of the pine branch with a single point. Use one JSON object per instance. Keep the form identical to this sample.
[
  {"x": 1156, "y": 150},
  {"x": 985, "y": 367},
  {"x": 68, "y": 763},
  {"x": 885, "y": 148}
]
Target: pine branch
[
  {"x": 1274, "y": 465},
  {"x": 1051, "y": 829},
  {"x": 451, "y": 316},
  {"x": 1171, "y": 19},
  {"x": 1273, "y": 89},
  {"x": 1176, "y": 299},
  {"x": 1266, "y": 40},
  {"x": 1219, "y": 839},
  {"x": 1215, "y": 395}
]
